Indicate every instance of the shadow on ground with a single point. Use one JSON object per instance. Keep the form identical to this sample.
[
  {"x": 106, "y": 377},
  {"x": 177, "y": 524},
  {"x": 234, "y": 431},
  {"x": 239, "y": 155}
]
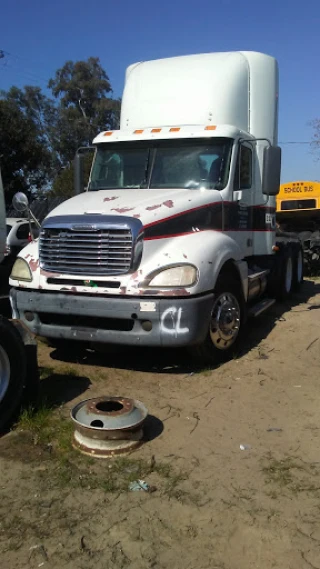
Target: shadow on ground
[
  {"x": 57, "y": 389},
  {"x": 152, "y": 428},
  {"x": 163, "y": 360}
]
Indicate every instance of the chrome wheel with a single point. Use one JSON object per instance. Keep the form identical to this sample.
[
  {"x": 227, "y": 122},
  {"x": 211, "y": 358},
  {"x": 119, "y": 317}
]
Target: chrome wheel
[
  {"x": 4, "y": 373},
  {"x": 288, "y": 277},
  {"x": 225, "y": 321}
]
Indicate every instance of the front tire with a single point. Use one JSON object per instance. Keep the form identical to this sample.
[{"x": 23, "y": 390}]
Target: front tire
[{"x": 226, "y": 323}]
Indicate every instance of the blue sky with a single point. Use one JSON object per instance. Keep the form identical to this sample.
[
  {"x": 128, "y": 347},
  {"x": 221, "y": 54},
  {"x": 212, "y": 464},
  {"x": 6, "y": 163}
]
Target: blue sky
[{"x": 40, "y": 35}]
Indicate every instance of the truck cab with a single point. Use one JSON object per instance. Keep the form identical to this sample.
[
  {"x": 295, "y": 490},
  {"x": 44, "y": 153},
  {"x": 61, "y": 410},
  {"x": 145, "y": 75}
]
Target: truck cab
[{"x": 175, "y": 236}]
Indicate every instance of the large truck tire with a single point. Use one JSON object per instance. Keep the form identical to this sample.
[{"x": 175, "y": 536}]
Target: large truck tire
[
  {"x": 298, "y": 266},
  {"x": 285, "y": 282},
  {"x": 13, "y": 372},
  {"x": 226, "y": 323}
]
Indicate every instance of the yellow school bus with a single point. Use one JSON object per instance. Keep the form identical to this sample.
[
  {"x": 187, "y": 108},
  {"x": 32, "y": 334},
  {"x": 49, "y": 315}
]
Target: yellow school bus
[
  {"x": 298, "y": 212},
  {"x": 297, "y": 197}
]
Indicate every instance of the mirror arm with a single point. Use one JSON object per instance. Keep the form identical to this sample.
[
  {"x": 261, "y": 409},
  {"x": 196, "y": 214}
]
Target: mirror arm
[
  {"x": 267, "y": 199},
  {"x": 255, "y": 140},
  {"x": 38, "y": 224}
]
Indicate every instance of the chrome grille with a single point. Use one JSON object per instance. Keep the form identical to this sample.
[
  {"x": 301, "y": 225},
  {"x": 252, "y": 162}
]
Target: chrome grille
[{"x": 100, "y": 251}]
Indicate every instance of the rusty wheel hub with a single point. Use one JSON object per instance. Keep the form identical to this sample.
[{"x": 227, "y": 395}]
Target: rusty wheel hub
[{"x": 108, "y": 426}]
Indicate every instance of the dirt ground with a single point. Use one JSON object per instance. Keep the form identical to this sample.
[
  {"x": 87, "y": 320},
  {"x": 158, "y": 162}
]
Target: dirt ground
[{"x": 215, "y": 506}]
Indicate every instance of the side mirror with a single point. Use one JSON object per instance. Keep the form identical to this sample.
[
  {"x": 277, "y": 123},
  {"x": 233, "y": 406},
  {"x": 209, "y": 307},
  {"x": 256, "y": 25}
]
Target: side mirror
[
  {"x": 78, "y": 173},
  {"x": 20, "y": 202},
  {"x": 80, "y": 165},
  {"x": 271, "y": 170}
]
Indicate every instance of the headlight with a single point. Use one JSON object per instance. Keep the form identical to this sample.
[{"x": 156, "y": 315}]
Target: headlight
[
  {"x": 21, "y": 271},
  {"x": 183, "y": 275},
  {"x": 7, "y": 250}
]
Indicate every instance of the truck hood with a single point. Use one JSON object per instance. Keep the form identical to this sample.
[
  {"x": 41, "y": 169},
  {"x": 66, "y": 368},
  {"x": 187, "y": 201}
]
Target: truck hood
[{"x": 147, "y": 205}]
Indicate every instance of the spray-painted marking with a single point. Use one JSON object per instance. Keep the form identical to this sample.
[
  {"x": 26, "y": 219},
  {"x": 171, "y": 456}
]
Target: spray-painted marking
[{"x": 171, "y": 321}]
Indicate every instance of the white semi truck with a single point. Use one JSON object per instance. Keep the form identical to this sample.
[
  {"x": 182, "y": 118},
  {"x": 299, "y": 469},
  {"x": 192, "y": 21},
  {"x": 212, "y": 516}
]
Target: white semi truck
[
  {"x": 174, "y": 241},
  {"x": 18, "y": 353}
]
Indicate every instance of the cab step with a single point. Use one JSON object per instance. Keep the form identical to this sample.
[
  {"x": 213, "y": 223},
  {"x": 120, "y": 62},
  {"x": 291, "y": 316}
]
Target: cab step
[{"x": 260, "y": 307}]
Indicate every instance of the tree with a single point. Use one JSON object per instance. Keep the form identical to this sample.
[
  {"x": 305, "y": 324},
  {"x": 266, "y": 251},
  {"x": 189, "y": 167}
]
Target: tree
[
  {"x": 24, "y": 159},
  {"x": 315, "y": 124},
  {"x": 37, "y": 107},
  {"x": 83, "y": 90},
  {"x": 40, "y": 135},
  {"x": 63, "y": 185},
  {"x": 39, "y": 117}
]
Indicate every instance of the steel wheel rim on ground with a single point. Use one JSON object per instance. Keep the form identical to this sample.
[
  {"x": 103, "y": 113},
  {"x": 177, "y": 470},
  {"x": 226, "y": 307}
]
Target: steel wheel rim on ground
[
  {"x": 225, "y": 321},
  {"x": 288, "y": 277},
  {"x": 108, "y": 426},
  {"x": 4, "y": 373}
]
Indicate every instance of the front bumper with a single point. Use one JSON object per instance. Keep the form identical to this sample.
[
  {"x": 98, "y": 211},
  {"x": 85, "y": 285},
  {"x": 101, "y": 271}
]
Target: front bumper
[{"x": 171, "y": 322}]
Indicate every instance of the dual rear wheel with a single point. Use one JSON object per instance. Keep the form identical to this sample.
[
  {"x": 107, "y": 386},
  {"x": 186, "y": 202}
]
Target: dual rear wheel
[{"x": 290, "y": 272}]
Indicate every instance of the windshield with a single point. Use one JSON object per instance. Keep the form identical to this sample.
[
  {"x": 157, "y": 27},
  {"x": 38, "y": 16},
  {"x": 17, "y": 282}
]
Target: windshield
[{"x": 164, "y": 164}]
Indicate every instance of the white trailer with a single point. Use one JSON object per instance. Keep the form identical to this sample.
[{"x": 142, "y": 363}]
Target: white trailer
[{"x": 174, "y": 241}]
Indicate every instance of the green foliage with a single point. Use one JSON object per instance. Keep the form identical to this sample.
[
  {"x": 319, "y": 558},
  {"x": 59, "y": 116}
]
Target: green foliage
[
  {"x": 85, "y": 107},
  {"x": 315, "y": 144},
  {"x": 81, "y": 84},
  {"x": 40, "y": 135},
  {"x": 25, "y": 160},
  {"x": 63, "y": 185},
  {"x": 36, "y": 107}
]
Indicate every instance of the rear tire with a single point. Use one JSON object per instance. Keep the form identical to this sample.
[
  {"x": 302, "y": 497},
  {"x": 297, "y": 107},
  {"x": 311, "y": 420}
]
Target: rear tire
[
  {"x": 13, "y": 373},
  {"x": 285, "y": 284},
  {"x": 298, "y": 269},
  {"x": 226, "y": 323}
]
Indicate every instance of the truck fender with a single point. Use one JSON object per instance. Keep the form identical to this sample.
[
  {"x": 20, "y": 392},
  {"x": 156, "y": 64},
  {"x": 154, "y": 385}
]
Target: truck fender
[
  {"x": 237, "y": 270},
  {"x": 228, "y": 258}
]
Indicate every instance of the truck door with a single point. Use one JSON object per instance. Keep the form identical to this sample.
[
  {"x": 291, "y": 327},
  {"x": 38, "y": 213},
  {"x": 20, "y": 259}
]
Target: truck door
[{"x": 243, "y": 199}]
